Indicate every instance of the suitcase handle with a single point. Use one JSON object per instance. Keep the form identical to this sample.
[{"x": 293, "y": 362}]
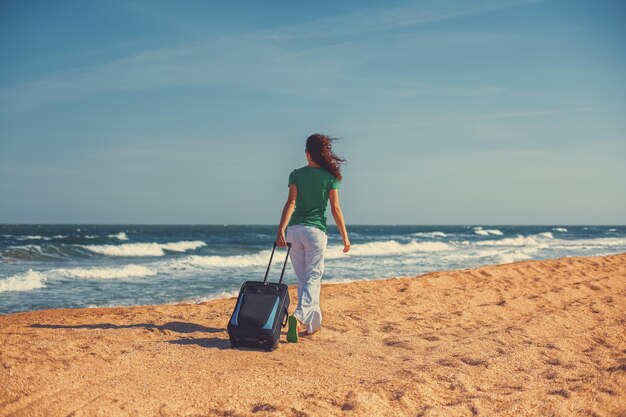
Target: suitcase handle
[
  {"x": 270, "y": 264},
  {"x": 284, "y": 323}
]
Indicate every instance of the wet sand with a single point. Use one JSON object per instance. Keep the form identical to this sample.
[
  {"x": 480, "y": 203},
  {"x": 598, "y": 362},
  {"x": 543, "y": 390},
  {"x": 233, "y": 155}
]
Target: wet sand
[{"x": 527, "y": 338}]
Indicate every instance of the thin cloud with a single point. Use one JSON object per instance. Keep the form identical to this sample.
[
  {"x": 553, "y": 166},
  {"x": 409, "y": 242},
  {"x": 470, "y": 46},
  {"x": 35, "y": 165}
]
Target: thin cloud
[
  {"x": 260, "y": 61},
  {"x": 381, "y": 18},
  {"x": 527, "y": 114}
]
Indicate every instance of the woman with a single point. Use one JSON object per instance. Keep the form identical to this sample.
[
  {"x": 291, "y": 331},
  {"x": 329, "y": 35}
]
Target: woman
[{"x": 310, "y": 189}]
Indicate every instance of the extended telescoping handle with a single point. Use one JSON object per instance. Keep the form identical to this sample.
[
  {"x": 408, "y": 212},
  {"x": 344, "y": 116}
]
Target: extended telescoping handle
[{"x": 270, "y": 264}]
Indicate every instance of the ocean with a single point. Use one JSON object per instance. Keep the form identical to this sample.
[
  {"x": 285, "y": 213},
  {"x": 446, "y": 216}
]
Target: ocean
[{"x": 68, "y": 266}]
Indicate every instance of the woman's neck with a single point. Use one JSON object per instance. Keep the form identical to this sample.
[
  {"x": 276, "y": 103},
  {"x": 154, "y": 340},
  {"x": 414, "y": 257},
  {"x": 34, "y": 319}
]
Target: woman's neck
[{"x": 313, "y": 164}]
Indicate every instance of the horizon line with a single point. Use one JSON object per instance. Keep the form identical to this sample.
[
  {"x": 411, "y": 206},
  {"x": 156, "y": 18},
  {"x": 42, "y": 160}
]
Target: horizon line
[{"x": 330, "y": 225}]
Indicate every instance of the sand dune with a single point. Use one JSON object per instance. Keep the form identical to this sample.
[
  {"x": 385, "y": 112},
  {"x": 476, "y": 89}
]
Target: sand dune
[{"x": 528, "y": 338}]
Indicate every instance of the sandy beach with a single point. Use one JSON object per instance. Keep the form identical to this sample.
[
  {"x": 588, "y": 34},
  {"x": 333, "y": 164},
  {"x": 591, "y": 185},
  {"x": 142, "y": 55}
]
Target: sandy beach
[{"x": 527, "y": 338}]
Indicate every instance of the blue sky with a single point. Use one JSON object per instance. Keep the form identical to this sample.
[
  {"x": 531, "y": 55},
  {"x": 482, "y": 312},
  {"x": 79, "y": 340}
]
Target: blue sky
[{"x": 450, "y": 112}]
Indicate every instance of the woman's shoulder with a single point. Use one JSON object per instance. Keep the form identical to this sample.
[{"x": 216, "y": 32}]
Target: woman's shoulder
[
  {"x": 315, "y": 172},
  {"x": 306, "y": 170},
  {"x": 297, "y": 171}
]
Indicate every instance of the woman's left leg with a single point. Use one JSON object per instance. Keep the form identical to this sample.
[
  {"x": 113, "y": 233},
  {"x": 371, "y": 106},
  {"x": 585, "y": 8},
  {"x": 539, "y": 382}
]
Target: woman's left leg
[
  {"x": 315, "y": 242},
  {"x": 298, "y": 261}
]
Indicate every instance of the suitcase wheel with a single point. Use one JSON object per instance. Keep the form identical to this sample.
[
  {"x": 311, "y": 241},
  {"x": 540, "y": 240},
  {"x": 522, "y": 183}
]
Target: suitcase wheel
[{"x": 234, "y": 342}]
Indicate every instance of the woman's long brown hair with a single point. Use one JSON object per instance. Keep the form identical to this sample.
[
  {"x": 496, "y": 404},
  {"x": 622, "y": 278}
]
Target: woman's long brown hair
[{"x": 320, "y": 148}]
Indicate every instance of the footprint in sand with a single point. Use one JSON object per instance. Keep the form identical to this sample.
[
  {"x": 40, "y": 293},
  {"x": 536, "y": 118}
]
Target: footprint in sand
[
  {"x": 392, "y": 342},
  {"x": 403, "y": 288},
  {"x": 397, "y": 394},
  {"x": 405, "y": 373},
  {"x": 389, "y": 328},
  {"x": 298, "y": 413},
  {"x": 353, "y": 315},
  {"x": 549, "y": 376},
  {"x": 562, "y": 392},
  {"x": 617, "y": 368},
  {"x": 473, "y": 361},
  {"x": 447, "y": 362},
  {"x": 264, "y": 407},
  {"x": 423, "y": 410},
  {"x": 608, "y": 391},
  {"x": 349, "y": 404}
]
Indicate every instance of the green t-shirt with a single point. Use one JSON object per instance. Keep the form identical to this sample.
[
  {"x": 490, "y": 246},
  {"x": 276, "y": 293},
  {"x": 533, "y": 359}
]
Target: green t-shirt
[{"x": 313, "y": 186}]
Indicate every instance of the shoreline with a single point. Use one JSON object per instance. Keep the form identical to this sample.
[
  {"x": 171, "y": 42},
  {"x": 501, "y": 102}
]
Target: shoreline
[
  {"x": 233, "y": 294},
  {"x": 113, "y": 266},
  {"x": 526, "y": 338}
]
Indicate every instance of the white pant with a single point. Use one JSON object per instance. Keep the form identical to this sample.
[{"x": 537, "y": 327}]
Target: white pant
[{"x": 308, "y": 245}]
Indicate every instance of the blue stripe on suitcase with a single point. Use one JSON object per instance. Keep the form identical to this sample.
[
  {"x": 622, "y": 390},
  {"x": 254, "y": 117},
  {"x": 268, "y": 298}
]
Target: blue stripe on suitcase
[
  {"x": 270, "y": 320},
  {"x": 234, "y": 319}
]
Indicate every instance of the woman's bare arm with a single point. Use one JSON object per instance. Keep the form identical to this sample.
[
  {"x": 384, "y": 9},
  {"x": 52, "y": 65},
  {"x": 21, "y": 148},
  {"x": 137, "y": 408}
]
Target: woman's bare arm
[
  {"x": 290, "y": 205},
  {"x": 333, "y": 196}
]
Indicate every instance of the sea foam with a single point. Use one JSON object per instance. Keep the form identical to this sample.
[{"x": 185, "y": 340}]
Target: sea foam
[
  {"x": 33, "y": 237},
  {"x": 387, "y": 247},
  {"x": 520, "y": 240},
  {"x": 512, "y": 256},
  {"x": 144, "y": 249},
  {"x": 127, "y": 271},
  {"x": 487, "y": 232},
  {"x": 430, "y": 234},
  {"x": 602, "y": 241},
  {"x": 119, "y": 236},
  {"x": 27, "y": 281},
  {"x": 234, "y": 261}
]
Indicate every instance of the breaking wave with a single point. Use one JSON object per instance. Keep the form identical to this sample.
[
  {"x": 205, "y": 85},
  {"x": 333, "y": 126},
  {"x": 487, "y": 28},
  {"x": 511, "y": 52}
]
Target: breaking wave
[
  {"x": 334, "y": 252},
  {"x": 511, "y": 256},
  {"x": 486, "y": 232},
  {"x": 598, "y": 242},
  {"x": 38, "y": 237},
  {"x": 144, "y": 249},
  {"x": 235, "y": 261},
  {"x": 27, "y": 281},
  {"x": 128, "y": 271},
  {"x": 43, "y": 252},
  {"x": 33, "y": 237},
  {"x": 430, "y": 234},
  {"x": 119, "y": 236},
  {"x": 387, "y": 247},
  {"x": 560, "y": 229},
  {"x": 515, "y": 241}
]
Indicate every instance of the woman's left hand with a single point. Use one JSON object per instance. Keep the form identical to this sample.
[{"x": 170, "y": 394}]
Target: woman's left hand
[{"x": 280, "y": 238}]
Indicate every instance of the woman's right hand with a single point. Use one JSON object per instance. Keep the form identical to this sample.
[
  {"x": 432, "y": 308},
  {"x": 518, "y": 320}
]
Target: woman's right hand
[
  {"x": 280, "y": 238},
  {"x": 346, "y": 246}
]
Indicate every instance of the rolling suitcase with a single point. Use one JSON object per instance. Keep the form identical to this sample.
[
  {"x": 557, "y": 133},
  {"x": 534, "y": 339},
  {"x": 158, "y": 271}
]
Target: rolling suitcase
[{"x": 261, "y": 311}]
